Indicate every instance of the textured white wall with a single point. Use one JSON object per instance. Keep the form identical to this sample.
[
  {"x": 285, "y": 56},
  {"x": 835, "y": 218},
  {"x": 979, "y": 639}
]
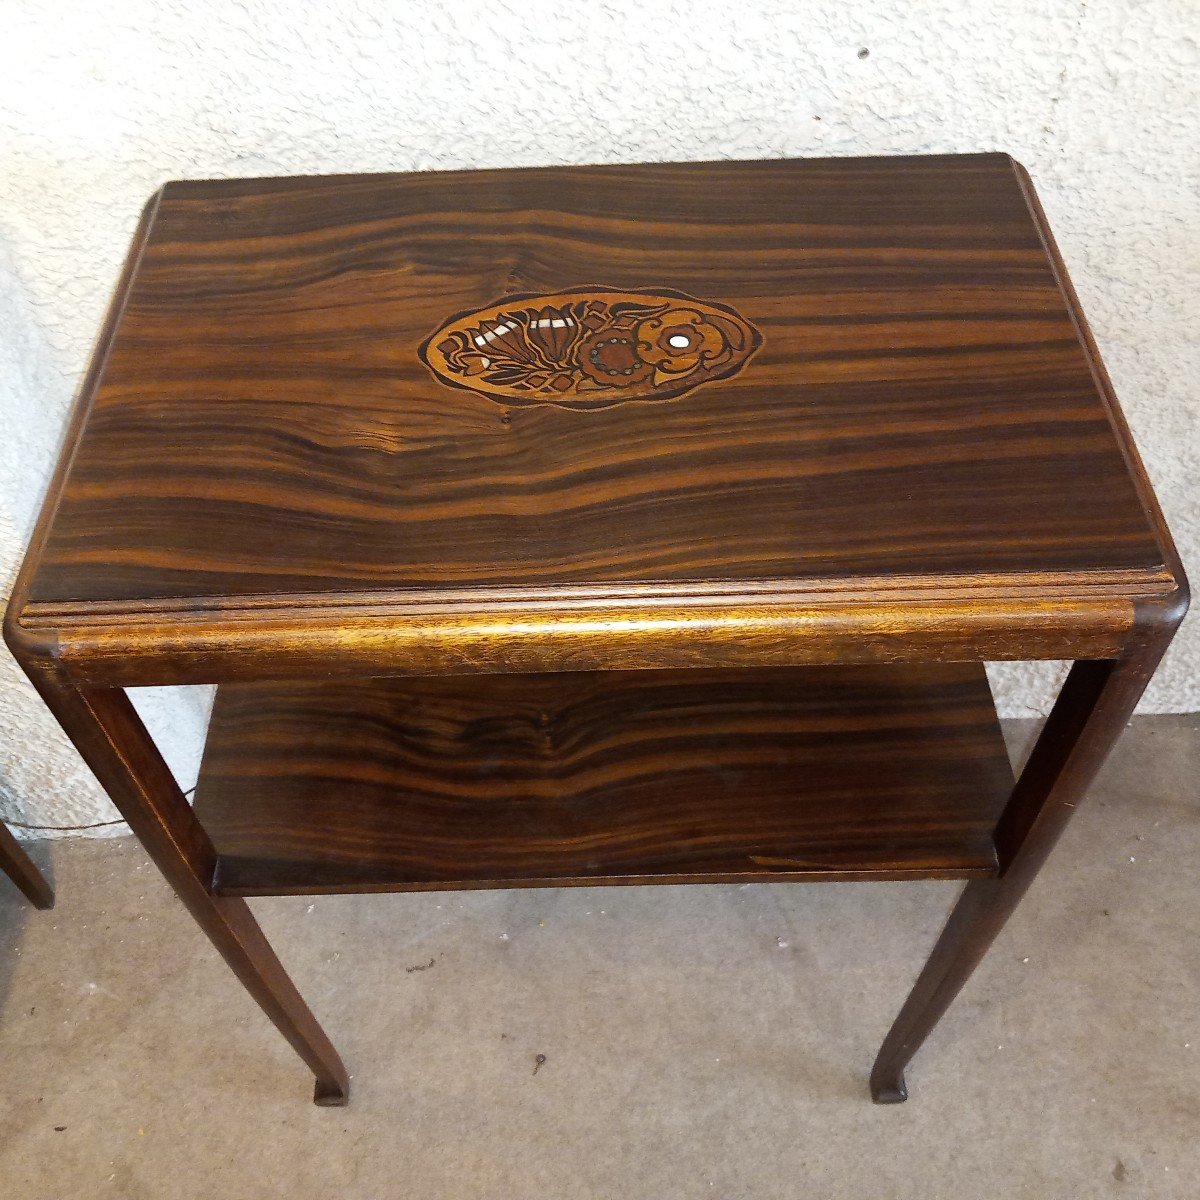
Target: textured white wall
[{"x": 100, "y": 102}]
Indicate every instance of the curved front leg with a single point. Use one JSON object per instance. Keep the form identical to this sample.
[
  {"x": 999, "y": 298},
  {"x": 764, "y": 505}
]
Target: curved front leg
[
  {"x": 1095, "y": 703},
  {"x": 110, "y": 736}
]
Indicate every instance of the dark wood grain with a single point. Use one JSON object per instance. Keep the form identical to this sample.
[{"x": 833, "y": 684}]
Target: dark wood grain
[
  {"x": 612, "y": 777},
  {"x": 922, "y": 402}
]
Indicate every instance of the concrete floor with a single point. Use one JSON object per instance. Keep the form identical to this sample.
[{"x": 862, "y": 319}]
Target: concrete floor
[{"x": 704, "y": 1041}]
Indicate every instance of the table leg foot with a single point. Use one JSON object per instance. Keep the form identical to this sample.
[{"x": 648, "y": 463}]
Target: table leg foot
[
  {"x": 237, "y": 935},
  {"x": 332, "y": 1093},
  {"x": 888, "y": 1089}
]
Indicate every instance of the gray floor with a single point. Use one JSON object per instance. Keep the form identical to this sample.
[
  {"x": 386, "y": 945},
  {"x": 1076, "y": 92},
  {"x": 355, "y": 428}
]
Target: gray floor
[{"x": 697, "y": 1041}]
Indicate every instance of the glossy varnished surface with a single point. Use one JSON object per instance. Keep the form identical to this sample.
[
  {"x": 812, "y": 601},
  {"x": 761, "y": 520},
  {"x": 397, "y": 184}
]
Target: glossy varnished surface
[
  {"x": 654, "y": 776},
  {"x": 921, "y": 403}
]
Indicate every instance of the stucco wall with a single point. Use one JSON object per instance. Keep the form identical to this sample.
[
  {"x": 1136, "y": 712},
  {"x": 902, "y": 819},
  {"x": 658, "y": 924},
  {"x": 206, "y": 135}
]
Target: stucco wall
[{"x": 100, "y": 102}]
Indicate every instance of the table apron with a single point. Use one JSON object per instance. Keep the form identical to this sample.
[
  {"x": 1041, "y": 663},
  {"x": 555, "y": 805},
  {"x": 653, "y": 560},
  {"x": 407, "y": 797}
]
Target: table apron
[{"x": 183, "y": 650}]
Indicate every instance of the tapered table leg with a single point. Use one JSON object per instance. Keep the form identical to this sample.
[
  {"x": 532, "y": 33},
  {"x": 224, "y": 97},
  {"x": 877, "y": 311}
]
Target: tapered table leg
[
  {"x": 15, "y": 863},
  {"x": 1090, "y": 713},
  {"x": 112, "y": 740}
]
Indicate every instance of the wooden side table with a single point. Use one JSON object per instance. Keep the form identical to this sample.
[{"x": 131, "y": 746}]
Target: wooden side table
[{"x": 642, "y": 524}]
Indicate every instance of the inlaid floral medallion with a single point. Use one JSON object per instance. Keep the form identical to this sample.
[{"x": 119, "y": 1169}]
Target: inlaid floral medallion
[{"x": 591, "y": 347}]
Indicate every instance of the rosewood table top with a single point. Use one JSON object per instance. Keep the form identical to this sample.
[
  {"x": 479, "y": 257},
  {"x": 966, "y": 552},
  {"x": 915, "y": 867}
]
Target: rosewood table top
[{"x": 838, "y": 390}]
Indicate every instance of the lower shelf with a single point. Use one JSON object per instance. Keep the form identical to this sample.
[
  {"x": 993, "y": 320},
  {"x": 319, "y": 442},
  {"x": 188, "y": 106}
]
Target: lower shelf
[{"x": 618, "y": 777}]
